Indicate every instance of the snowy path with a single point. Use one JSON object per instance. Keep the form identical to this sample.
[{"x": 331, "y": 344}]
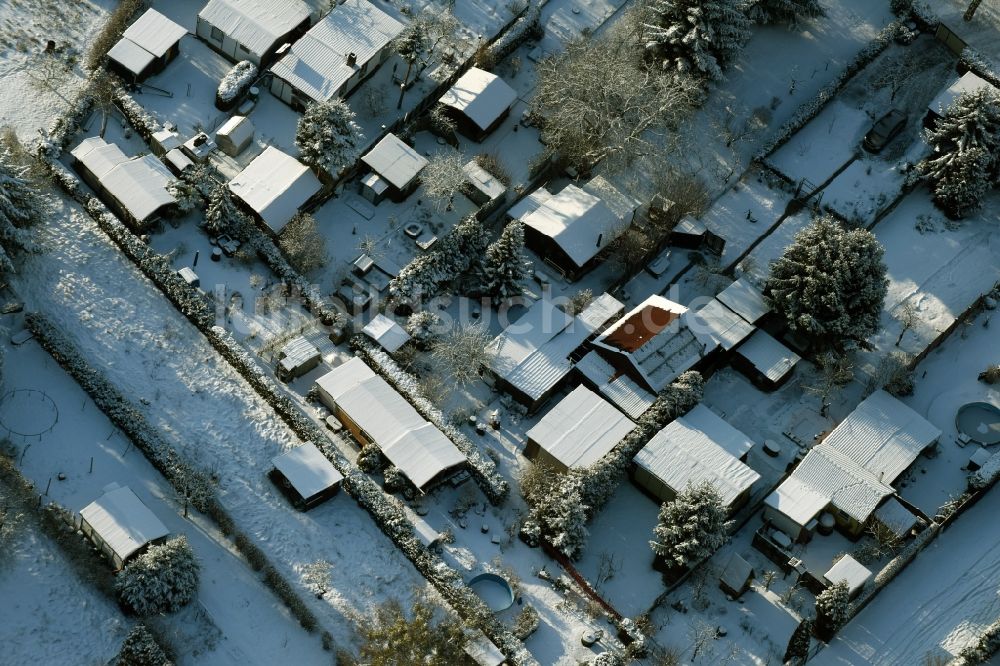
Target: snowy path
[
  {"x": 937, "y": 606},
  {"x": 125, "y": 326}
]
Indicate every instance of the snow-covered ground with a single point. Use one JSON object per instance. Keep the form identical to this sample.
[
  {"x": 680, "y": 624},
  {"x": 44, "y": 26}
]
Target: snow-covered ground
[
  {"x": 29, "y": 99},
  {"x": 241, "y": 621},
  {"x": 125, "y": 326},
  {"x": 938, "y": 605}
]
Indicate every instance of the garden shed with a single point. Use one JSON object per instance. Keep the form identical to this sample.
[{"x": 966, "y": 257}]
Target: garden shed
[
  {"x": 577, "y": 432},
  {"x": 765, "y": 361},
  {"x": 146, "y": 46},
  {"x": 275, "y": 186},
  {"x": 851, "y": 571},
  {"x": 120, "y": 525},
  {"x": 296, "y": 358},
  {"x": 479, "y": 102},
  {"x": 235, "y": 135},
  {"x": 388, "y": 334},
  {"x": 736, "y": 577},
  {"x": 251, "y": 29},
  {"x": 306, "y": 476},
  {"x": 396, "y": 167}
]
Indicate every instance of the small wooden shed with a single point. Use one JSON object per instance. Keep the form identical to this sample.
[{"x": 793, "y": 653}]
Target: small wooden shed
[
  {"x": 120, "y": 525},
  {"x": 306, "y": 476},
  {"x": 736, "y": 577},
  {"x": 234, "y": 135}
]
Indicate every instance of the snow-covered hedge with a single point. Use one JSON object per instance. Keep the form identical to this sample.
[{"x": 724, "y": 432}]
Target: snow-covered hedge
[
  {"x": 893, "y": 568},
  {"x": 517, "y": 34},
  {"x": 972, "y": 60},
  {"x": 312, "y": 297},
  {"x": 987, "y": 475},
  {"x": 982, "y": 650},
  {"x": 144, "y": 123},
  {"x": 67, "y": 124},
  {"x": 236, "y": 82},
  {"x": 811, "y": 108},
  {"x": 483, "y": 470}
]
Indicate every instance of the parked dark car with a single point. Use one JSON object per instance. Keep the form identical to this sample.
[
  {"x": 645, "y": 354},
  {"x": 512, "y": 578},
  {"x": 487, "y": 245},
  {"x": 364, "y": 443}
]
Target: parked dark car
[{"x": 884, "y": 130}]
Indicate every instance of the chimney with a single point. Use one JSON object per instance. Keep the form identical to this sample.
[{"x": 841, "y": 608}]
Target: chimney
[{"x": 352, "y": 59}]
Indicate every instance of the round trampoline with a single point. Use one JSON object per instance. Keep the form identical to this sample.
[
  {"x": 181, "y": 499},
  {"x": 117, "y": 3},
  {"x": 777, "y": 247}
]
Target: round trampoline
[
  {"x": 495, "y": 592},
  {"x": 980, "y": 421}
]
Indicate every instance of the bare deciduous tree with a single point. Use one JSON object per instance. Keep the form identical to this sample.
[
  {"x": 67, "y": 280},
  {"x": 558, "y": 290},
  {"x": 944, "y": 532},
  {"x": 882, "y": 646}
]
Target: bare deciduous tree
[
  {"x": 443, "y": 177},
  {"x": 462, "y": 352},
  {"x": 303, "y": 244}
]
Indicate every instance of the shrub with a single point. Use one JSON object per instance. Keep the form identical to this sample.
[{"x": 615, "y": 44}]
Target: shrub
[
  {"x": 141, "y": 649},
  {"x": 526, "y": 622},
  {"x": 490, "y": 162},
  {"x": 163, "y": 579},
  {"x": 991, "y": 375},
  {"x": 236, "y": 82}
]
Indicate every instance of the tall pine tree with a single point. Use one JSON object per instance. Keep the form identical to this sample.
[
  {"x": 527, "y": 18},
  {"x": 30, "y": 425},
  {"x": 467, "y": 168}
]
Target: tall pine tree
[
  {"x": 798, "y": 644},
  {"x": 829, "y": 284},
  {"x": 966, "y": 158},
  {"x": 697, "y": 37},
  {"x": 223, "y": 216},
  {"x": 20, "y": 207},
  {"x": 505, "y": 267},
  {"x": 832, "y": 608},
  {"x": 327, "y": 136},
  {"x": 691, "y": 527}
]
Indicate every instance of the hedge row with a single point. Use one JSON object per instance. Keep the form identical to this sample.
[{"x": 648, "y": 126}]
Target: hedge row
[
  {"x": 147, "y": 439},
  {"x": 483, "y": 470},
  {"x": 811, "y": 108},
  {"x": 385, "y": 510}
]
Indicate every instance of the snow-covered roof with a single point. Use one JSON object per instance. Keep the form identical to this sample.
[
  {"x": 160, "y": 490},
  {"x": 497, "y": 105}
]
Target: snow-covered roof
[
  {"x": 480, "y": 96},
  {"x": 580, "y": 429},
  {"x": 968, "y": 82},
  {"x": 896, "y": 517},
  {"x": 580, "y": 222},
  {"x": 547, "y": 365},
  {"x": 623, "y": 392},
  {"x": 395, "y": 161},
  {"x": 275, "y": 185},
  {"x": 412, "y": 444},
  {"x": 179, "y": 159},
  {"x": 237, "y": 130},
  {"x": 483, "y": 652},
  {"x": 98, "y": 156},
  {"x": 736, "y": 573},
  {"x": 307, "y": 469},
  {"x": 745, "y": 299},
  {"x": 140, "y": 185},
  {"x": 154, "y": 32},
  {"x": 123, "y": 522},
  {"x": 883, "y": 436},
  {"x": 850, "y": 570},
  {"x": 131, "y": 56},
  {"x": 387, "y": 333},
  {"x": 797, "y": 499},
  {"x": 529, "y": 204},
  {"x": 773, "y": 359},
  {"x": 297, "y": 352},
  {"x": 483, "y": 180},
  {"x": 698, "y": 447},
  {"x": 718, "y": 325},
  {"x": 542, "y": 322},
  {"x": 256, "y": 24},
  {"x": 655, "y": 338},
  {"x": 317, "y": 63}
]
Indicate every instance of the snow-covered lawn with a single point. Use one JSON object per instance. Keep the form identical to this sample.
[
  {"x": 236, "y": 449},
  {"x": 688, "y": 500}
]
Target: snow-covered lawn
[
  {"x": 936, "y": 606},
  {"x": 825, "y": 144},
  {"x": 49, "y": 615},
  {"x": 27, "y": 101},
  {"x": 244, "y": 621},
  {"x": 124, "y": 325}
]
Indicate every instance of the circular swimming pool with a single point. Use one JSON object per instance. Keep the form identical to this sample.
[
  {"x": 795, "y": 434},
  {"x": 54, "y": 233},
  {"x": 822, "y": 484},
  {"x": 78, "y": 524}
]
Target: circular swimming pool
[
  {"x": 980, "y": 421},
  {"x": 495, "y": 592}
]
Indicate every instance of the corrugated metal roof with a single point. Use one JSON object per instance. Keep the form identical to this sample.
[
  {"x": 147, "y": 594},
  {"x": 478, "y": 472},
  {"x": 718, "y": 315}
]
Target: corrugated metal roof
[
  {"x": 317, "y": 63},
  {"x": 123, "y": 522},
  {"x": 699, "y": 447},
  {"x": 412, "y": 444},
  {"x": 307, "y": 469},
  {"x": 746, "y": 300},
  {"x": 482, "y": 97},
  {"x": 896, "y": 517},
  {"x": 542, "y": 322},
  {"x": 622, "y": 391},
  {"x": 140, "y": 185},
  {"x": 130, "y": 55},
  {"x": 275, "y": 185},
  {"x": 580, "y": 223},
  {"x": 98, "y": 156},
  {"x": 547, "y": 365},
  {"x": 387, "y": 333},
  {"x": 395, "y": 161},
  {"x": 769, "y": 356},
  {"x": 717, "y": 325},
  {"x": 297, "y": 352},
  {"x": 256, "y": 24},
  {"x": 154, "y": 32},
  {"x": 580, "y": 429},
  {"x": 883, "y": 436}
]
